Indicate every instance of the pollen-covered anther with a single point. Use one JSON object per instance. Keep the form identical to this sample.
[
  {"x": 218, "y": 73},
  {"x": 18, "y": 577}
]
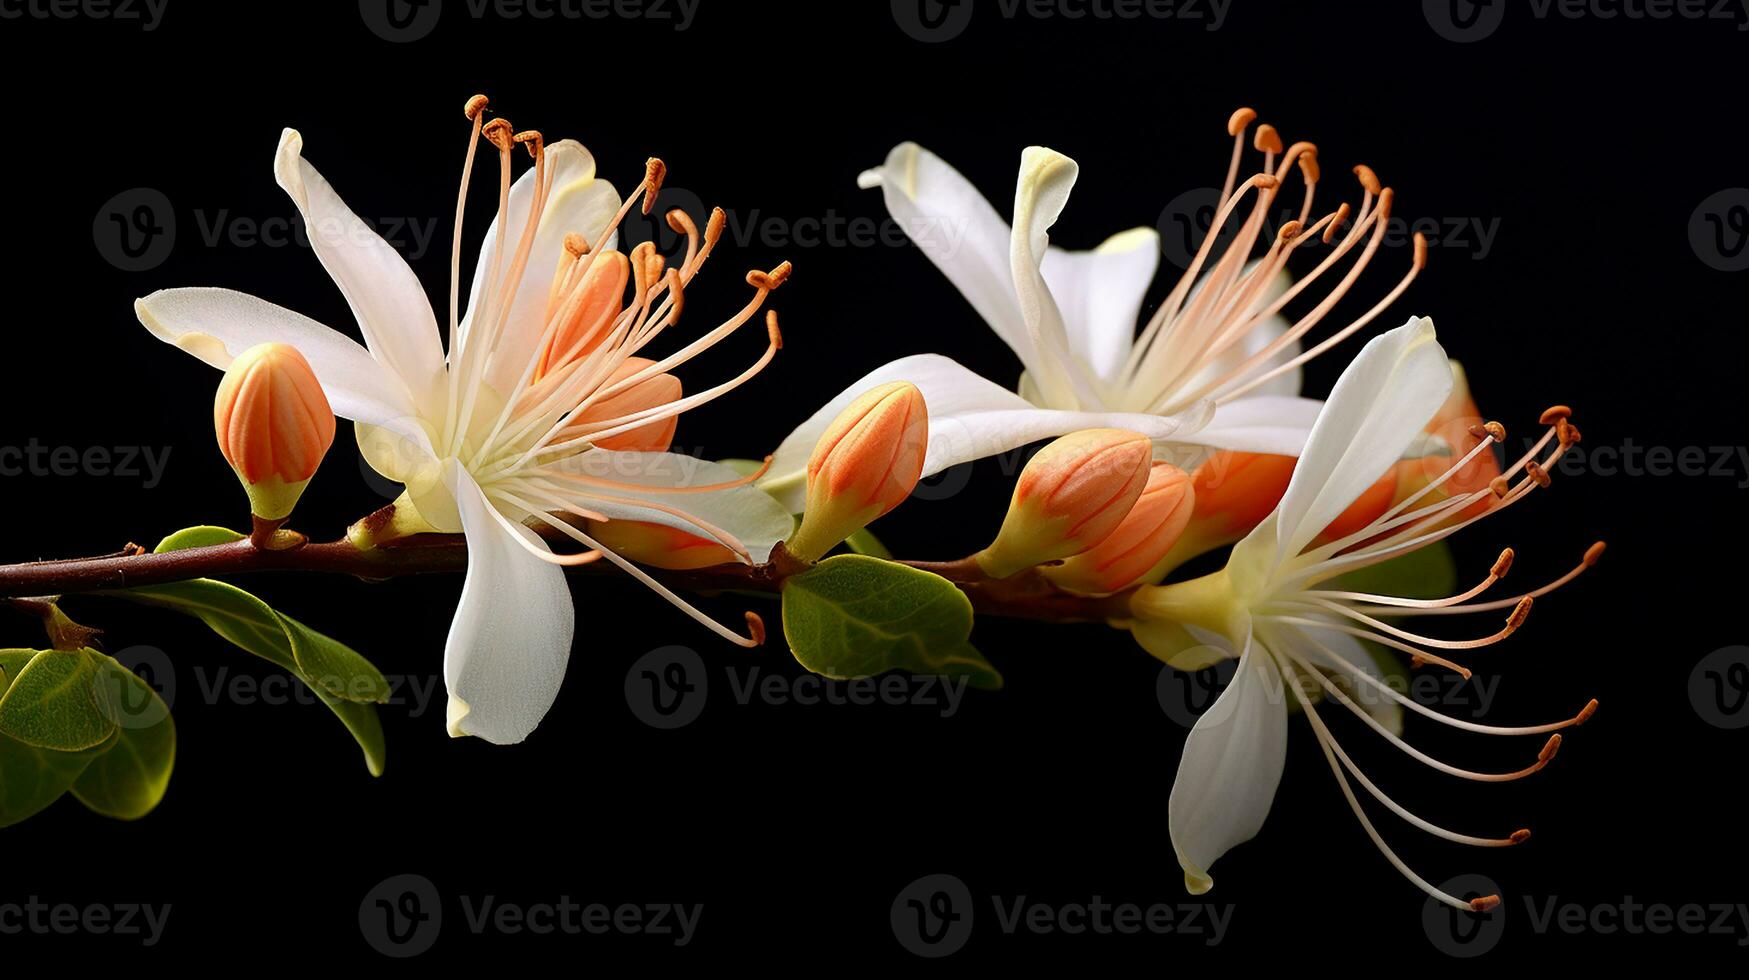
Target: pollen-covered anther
[
  {"x": 1289, "y": 232},
  {"x": 755, "y": 628},
  {"x": 1337, "y": 221},
  {"x": 1500, "y": 485},
  {"x": 1566, "y": 432},
  {"x": 769, "y": 280},
  {"x": 771, "y": 330},
  {"x": 1368, "y": 180},
  {"x": 499, "y": 133},
  {"x": 475, "y": 106},
  {"x": 1492, "y": 430},
  {"x": 1520, "y": 835},
  {"x": 1535, "y": 471},
  {"x": 1420, "y": 251},
  {"x": 576, "y": 245},
  {"x": 1265, "y": 182},
  {"x": 1240, "y": 119},
  {"x": 1586, "y": 712},
  {"x": 655, "y": 171},
  {"x": 1267, "y": 139},
  {"x": 1309, "y": 166},
  {"x": 1520, "y": 613},
  {"x": 532, "y": 139},
  {"x": 1593, "y": 553},
  {"x": 1487, "y": 903},
  {"x": 1552, "y": 746},
  {"x": 1554, "y": 413},
  {"x": 1503, "y": 564}
]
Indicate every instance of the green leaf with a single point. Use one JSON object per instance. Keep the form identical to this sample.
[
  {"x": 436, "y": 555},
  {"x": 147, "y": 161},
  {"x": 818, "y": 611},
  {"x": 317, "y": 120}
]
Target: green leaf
[
  {"x": 129, "y": 779},
  {"x": 362, "y": 721},
  {"x": 333, "y": 666},
  {"x": 864, "y": 543},
  {"x": 855, "y": 616},
  {"x": 1429, "y": 572},
  {"x": 11, "y": 665},
  {"x": 57, "y": 702},
  {"x": 201, "y": 536},
  {"x": 32, "y": 778}
]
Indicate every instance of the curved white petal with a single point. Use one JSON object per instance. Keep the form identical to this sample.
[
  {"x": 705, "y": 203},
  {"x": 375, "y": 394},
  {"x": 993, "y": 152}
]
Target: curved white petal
[
  {"x": 577, "y": 201},
  {"x": 1231, "y": 766},
  {"x": 751, "y": 515},
  {"x": 1376, "y": 410},
  {"x": 217, "y": 325},
  {"x": 391, "y": 307},
  {"x": 1353, "y": 656},
  {"x": 957, "y": 229},
  {"x": 1270, "y": 424},
  {"x": 1040, "y": 192},
  {"x": 1100, "y": 295},
  {"x": 513, "y": 627},
  {"x": 969, "y": 418}
]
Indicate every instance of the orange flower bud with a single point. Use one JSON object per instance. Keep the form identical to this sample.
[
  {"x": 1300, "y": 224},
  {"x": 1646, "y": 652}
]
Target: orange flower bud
[
  {"x": 1456, "y": 423},
  {"x": 865, "y": 464},
  {"x": 1147, "y": 533},
  {"x": 274, "y": 426},
  {"x": 660, "y": 545},
  {"x": 585, "y": 310},
  {"x": 1070, "y": 497},
  {"x": 652, "y": 392}
]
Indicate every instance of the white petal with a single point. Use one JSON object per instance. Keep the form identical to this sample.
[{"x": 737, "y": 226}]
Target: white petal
[
  {"x": 969, "y": 418},
  {"x": 1384, "y": 709},
  {"x": 1046, "y": 177},
  {"x": 513, "y": 627},
  {"x": 1376, "y": 411},
  {"x": 1232, "y": 763},
  {"x": 1270, "y": 424},
  {"x": 391, "y": 307},
  {"x": 753, "y": 516},
  {"x": 1100, "y": 296},
  {"x": 217, "y": 325},
  {"x": 577, "y": 202},
  {"x": 959, "y": 231}
]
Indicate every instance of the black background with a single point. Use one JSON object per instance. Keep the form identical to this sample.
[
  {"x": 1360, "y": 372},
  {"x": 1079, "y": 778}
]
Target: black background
[{"x": 1587, "y": 143}]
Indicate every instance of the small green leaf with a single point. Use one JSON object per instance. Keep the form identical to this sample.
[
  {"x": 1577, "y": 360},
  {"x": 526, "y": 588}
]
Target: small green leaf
[
  {"x": 127, "y": 781},
  {"x": 1425, "y": 573},
  {"x": 32, "y": 778},
  {"x": 865, "y": 543},
  {"x": 362, "y": 721},
  {"x": 57, "y": 702},
  {"x": 201, "y": 536},
  {"x": 333, "y": 666},
  {"x": 12, "y": 664},
  {"x": 855, "y": 616}
]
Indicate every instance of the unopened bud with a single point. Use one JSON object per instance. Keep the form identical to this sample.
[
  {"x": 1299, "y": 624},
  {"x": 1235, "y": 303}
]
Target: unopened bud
[
  {"x": 274, "y": 426},
  {"x": 1070, "y": 497},
  {"x": 865, "y": 464},
  {"x": 659, "y": 545},
  {"x": 1140, "y": 542},
  {"x": 646, "y": 395}
]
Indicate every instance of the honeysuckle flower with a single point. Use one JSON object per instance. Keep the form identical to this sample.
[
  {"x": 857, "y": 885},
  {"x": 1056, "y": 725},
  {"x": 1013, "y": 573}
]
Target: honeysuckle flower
[
  {"x": 866, "y": 464},
  {"x": 1070, "y": 496},
  {"x": 273, "y": 425},
  {"x": 1216, "y": 366},
  {"x": 1142, "y": 540},
  {"x": 1271, "y": 609},
  {"x": 532, "y": 416}
]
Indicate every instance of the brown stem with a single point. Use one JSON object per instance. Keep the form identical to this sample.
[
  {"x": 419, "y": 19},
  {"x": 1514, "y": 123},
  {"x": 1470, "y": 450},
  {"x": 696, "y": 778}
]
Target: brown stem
[{"x": 1024, "y": 596}]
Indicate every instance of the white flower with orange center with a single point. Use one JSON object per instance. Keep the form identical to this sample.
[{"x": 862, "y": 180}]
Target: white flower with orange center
[
  {"x": 1274, "y": 609},
  {"x": 1215, "y": 367},
  {"x": 549, "y": 408}
]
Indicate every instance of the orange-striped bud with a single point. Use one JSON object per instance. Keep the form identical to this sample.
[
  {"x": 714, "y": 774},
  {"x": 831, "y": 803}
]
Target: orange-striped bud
[
  {"x": 1142, "y": 541},
  {"x": 274, "y": 426},
  {"x": 652, "y": 392},
  {"x": 585, "y": 308},
  {"x": 865, "y": 464},
  {"x": 660, "y": 545},
  {"x": 1070, "y": 497}
]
